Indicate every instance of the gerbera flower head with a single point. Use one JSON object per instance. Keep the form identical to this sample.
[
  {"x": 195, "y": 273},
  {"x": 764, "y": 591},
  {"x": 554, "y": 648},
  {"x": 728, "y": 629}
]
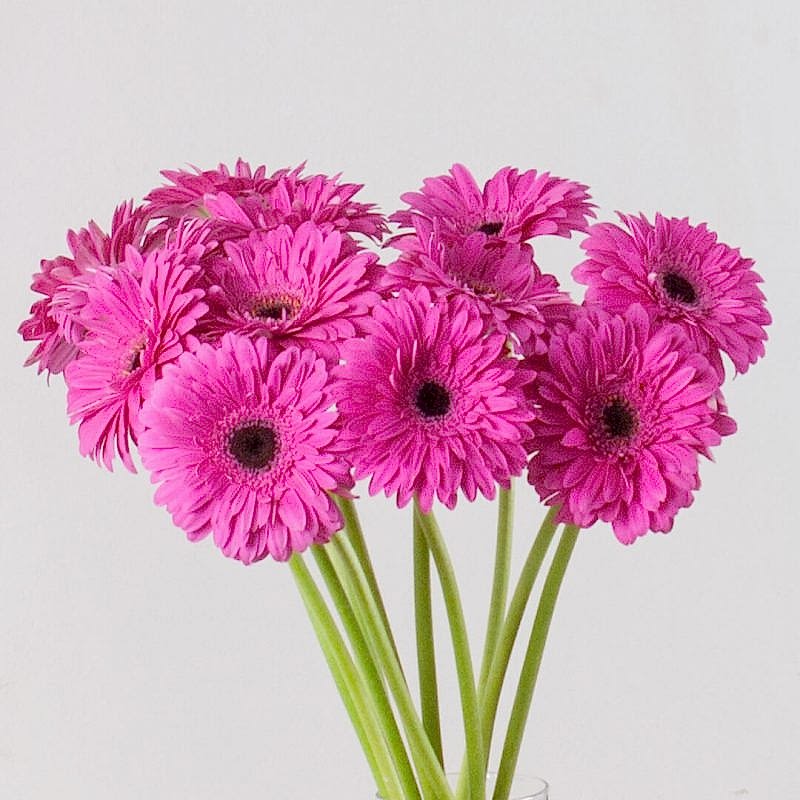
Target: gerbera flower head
[
  {"x": 682, "y": 274},
  {"x": 291, "y": 287},
  {"x": 246, "y": 447},
  {"x": 137, "y": 319},
  {"x": 55, "y": 319},
  {"x": 248, "y": 200},
  {"x": 431, "y": 403},
  {"x": 502, "y": 281},
  {"x": 512, "y": 207},
  {"x": 623, "y": 410},
  {"x": 185, "y": 197},
  {"x": 326, "y": 201}
]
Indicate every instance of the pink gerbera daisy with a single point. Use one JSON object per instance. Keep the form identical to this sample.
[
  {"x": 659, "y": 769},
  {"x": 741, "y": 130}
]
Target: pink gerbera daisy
[
  {"x": 185, "y": 197},
  {"x": 501, "y": 281},
  {"x": 250, "y": 200},
  {"x": 290, "y": 287},
  {"x": 55, "y": 319},
  {"x": 513, "y": 207},
  {"x": 624, "y": 408},
  {"x": 137, "y": 320},
  {"x": 431, "y": 403},
  {"x": 246, "y": 447},
  {"x": 680, "y": 273},
  {"x": 326, "y": 201}
]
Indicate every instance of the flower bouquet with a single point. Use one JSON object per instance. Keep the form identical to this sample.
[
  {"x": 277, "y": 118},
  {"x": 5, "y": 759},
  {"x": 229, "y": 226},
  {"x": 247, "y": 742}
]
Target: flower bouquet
[{"x": 237, "y": 331}]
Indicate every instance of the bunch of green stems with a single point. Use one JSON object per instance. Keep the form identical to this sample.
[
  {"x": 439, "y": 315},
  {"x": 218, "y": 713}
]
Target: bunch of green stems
[{"x": 402, "y": 744}]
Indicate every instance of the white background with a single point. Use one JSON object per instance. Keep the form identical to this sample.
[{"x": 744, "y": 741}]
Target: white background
[{"x": 136, "y": 665}]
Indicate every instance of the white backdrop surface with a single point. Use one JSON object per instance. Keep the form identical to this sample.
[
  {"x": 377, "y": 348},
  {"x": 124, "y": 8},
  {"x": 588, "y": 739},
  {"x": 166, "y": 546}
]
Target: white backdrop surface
[{"x": 136, "y": 665}]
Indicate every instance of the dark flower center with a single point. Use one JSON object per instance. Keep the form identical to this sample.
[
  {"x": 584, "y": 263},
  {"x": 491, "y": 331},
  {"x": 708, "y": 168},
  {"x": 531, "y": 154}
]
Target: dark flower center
[
  {"x": 253, "y": 446},
  {"x": 432, "y": 400},
  {"x": 491, "y": 228},
  {"x": 282, "y": 307},
  {"x": 480, "y": 287},
  {"x": 678, "y": 288},
  {"x": 134, "y": 359},
  {"x": 619, "y": 419},
  {"x": 476, "y": 284}
]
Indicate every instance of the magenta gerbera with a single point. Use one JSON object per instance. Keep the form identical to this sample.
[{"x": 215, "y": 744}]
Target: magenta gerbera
[
  {"x": 248, "y": 200},
  {"x": 326, "y": 201},
  {"x": 185, "y": 197},
  {"x": 290, "y": 287},
  {"x": 247, "y": 448},
  {"x": 624, "y": 408},
  {"x": 512, "y": 207},
  {"x": 137, "y": 320},
  {"x": 680, "y": 273},
  {"x": 431, "y": 404},
  {"x": 55, "y": 319},
  {"x": 501, "y": 281}
]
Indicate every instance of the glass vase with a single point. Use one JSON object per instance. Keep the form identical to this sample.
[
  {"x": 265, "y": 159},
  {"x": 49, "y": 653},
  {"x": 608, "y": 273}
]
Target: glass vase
[{"x": 523, "y": 787}]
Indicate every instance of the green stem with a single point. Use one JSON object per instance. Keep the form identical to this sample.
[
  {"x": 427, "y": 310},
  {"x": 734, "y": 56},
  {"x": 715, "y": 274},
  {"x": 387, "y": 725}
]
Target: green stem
[
  {"x": 430, "y": 771},
  {"x": 426, "y": 655},
  {"x": 458, "y": 630},
  {"x": 359, "y": 543},
  {"x": 502, "y": 567},
  {"x": 533, "y": 659},
  {"x": 497, "y": 604},
  {"x": 490, "y": 696},
  {"x": 347, "y": 681},
  {"x": 367, "y": 667}
]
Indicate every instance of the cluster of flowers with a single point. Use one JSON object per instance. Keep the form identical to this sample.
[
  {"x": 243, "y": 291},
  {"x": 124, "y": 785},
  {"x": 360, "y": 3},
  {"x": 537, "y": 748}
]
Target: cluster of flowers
[{"x": 234, "y": 328}]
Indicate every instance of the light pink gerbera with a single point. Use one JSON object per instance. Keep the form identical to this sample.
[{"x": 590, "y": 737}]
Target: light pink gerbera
[
  {"x": 431, "y": 404},
  {"x": 291, "y": 287},
  {"x": 680, "y": 273},
  {"x": 623, "y": 411},
  {"x": 513, "y": 207},
  {"x": 246, "y": 447},
  {"x": 137, "y": 320},
  {"x": 55, "y": 319},
  {"x": 501, "y": 281}
]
